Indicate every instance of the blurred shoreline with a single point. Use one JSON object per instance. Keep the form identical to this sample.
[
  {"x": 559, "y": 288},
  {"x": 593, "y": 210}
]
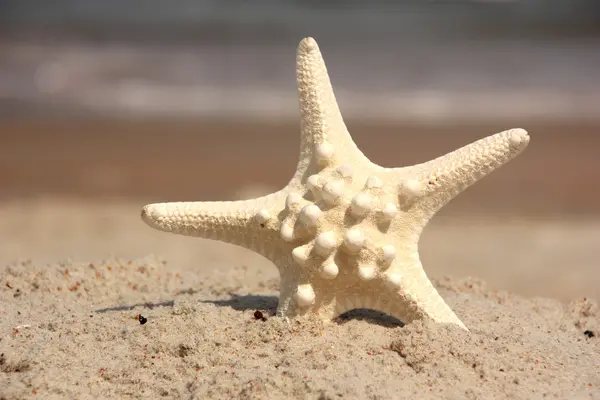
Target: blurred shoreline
[{"x": 155, "y": 160}]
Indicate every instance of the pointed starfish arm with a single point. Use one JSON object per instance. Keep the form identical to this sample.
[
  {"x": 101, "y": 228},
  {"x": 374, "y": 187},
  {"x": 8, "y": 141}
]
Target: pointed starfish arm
[
  {"x": 407, "y": 294},
  {"x": 234, "y": 222},
  {"x": 324, "y": 134},
  {"x": 440, "y": 180},
  {"x": 419, "y": 298}
]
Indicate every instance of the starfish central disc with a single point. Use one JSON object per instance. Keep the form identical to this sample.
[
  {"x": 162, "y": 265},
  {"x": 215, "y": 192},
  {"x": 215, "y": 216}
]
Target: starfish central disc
[{"x": 343, "y": 222}]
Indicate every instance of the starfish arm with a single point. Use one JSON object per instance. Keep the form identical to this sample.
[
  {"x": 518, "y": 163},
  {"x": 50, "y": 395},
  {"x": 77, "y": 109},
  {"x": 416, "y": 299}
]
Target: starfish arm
[
  {"x": 249, "y": 223},
  {"x": 324, "y": 137},
  {"x": 403, "y": 291},
  {"x": 418, "y": 298},
  {"x": 433, "y": 184}
]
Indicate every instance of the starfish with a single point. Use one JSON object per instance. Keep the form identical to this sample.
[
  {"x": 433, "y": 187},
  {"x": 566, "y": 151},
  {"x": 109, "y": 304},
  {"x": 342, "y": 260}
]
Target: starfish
[{"x": 344, "y": 231}]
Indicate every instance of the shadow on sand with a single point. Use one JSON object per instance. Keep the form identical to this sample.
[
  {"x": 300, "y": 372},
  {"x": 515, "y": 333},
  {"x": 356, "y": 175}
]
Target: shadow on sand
[{"x": 269, "y": 304}]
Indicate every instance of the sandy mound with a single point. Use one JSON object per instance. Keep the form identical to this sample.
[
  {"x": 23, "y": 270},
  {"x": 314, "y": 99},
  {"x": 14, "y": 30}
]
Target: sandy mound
[{"x": 72, "y": 330}]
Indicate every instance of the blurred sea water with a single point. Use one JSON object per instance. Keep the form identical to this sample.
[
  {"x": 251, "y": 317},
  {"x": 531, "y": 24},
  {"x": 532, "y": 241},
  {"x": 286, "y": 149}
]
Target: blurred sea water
[{"x": 457, "y": 60}]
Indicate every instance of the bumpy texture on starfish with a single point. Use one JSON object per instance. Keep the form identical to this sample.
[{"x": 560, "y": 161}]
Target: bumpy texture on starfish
[{"x": 344, "y": 232}]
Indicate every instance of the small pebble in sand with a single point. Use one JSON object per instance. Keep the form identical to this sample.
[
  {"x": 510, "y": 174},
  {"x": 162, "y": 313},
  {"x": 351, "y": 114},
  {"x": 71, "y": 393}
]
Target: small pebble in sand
[
  {"x": 589, "y": 334},
  {"x": 259, "y": 315},
  {"x": 141, "y": 318}
]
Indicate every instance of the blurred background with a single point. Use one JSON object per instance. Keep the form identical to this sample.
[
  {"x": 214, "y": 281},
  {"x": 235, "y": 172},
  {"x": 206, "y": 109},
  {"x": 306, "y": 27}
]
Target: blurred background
[{"x": 108, "y": 105}]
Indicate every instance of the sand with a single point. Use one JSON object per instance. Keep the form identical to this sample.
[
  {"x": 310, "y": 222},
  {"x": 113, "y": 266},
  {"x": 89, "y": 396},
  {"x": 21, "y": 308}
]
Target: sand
[
  {"x": 515, "y": 257},
  {"x": 72, "y": 329}
]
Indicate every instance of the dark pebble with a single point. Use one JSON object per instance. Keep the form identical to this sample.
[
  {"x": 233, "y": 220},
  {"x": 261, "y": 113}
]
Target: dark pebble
[{"x": 259, "y": 315}]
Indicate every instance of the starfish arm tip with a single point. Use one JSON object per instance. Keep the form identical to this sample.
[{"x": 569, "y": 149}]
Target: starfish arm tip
[
  {"x": 167, "y": 217},
  {"x": 150, "y": 214},
  {"x": 518, "y": 138},
  {"x": 307, "y": 44}
]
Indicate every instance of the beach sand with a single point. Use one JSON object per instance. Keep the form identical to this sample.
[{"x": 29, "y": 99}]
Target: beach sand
[{"x": 515, "y": 258}]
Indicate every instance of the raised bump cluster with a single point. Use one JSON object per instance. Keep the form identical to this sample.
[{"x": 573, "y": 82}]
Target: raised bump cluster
[{"x": 315, "y": 221}]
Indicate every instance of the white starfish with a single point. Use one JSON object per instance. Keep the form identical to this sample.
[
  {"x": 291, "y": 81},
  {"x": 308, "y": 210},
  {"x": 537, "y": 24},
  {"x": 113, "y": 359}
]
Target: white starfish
[{"x": 344, "y": 232}]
